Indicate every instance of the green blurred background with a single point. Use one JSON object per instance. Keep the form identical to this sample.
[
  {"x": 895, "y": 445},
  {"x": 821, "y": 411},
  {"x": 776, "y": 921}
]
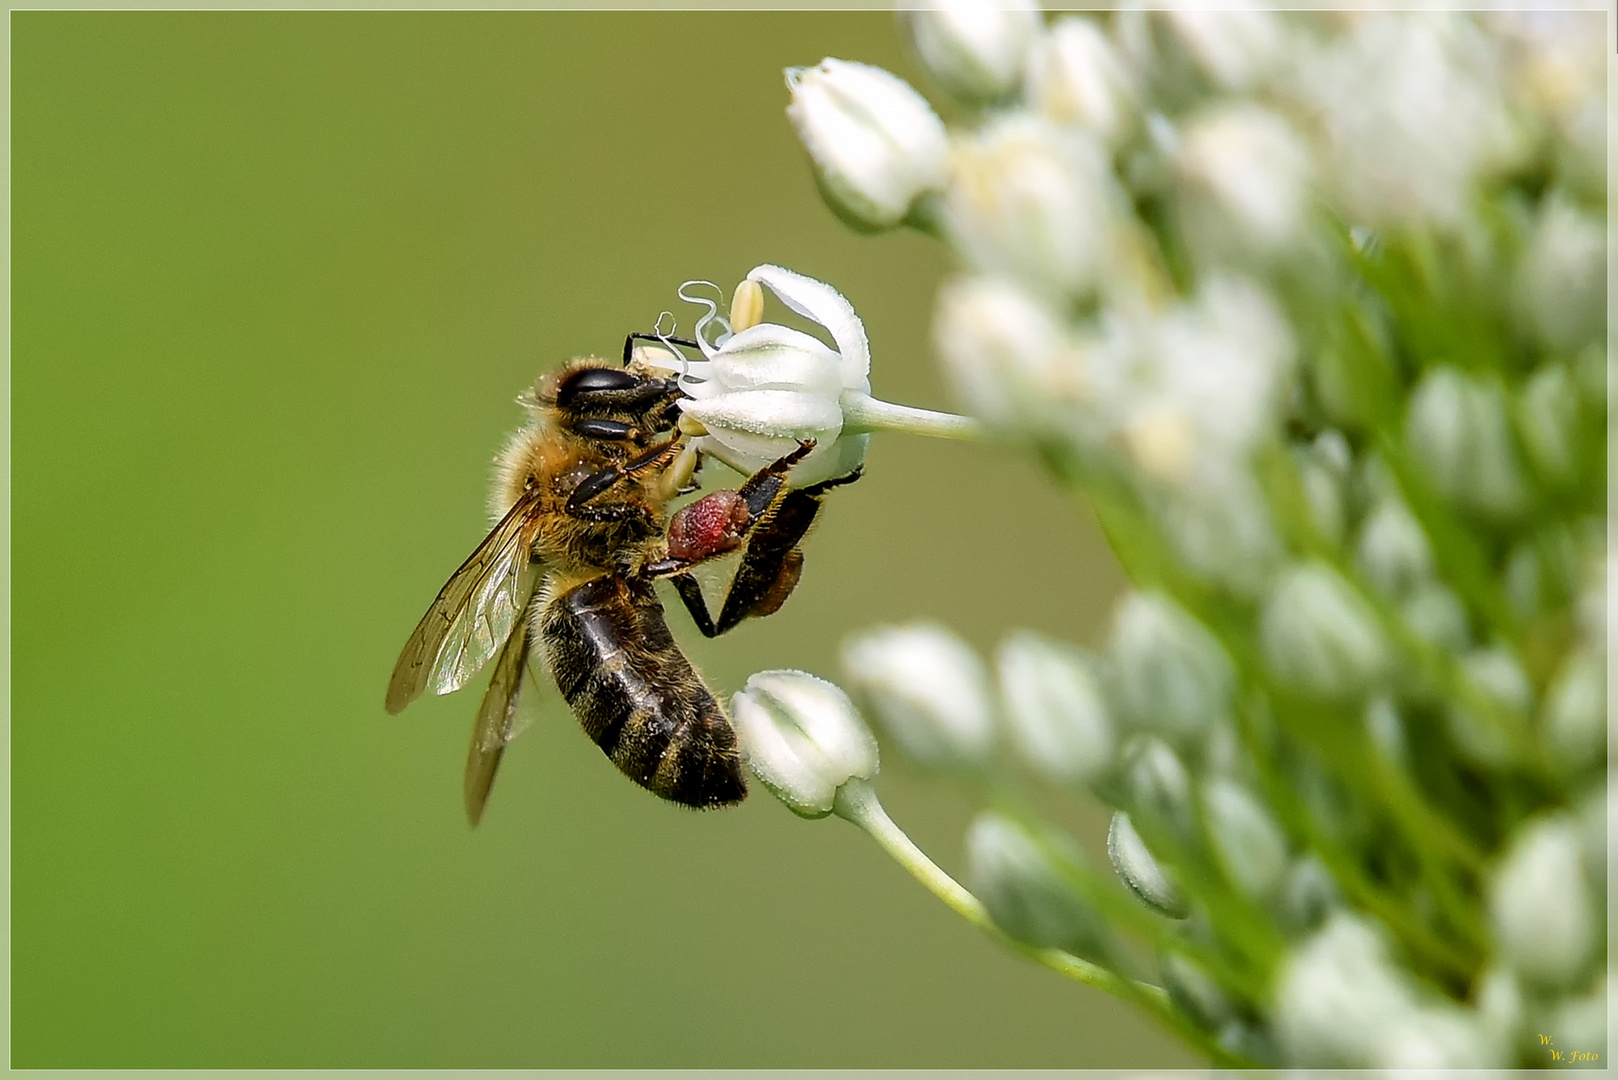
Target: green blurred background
[{"x": 276, "y": 281}]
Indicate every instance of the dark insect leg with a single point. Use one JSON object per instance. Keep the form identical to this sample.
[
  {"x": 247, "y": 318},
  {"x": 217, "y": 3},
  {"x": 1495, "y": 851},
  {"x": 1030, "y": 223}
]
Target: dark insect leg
[
  {"x": 691, "y": 595},
  {"x": 773, "y": 561},
  {"x": 603, "y": 480}
]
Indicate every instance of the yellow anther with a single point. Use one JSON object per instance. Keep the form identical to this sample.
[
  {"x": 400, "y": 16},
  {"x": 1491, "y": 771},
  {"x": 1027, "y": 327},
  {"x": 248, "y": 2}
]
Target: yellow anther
[
  {"x": 690, "y": 425},
  {"x": 746, "y": 306}
]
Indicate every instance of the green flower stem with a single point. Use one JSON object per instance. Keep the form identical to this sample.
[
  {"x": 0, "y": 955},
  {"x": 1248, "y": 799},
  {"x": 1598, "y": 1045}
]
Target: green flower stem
[
  {"x": 862, "y": 413},
  {"x": 857, "y": 802}
]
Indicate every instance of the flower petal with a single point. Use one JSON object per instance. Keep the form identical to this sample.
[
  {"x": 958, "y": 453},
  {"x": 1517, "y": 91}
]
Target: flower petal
[
  {"x": 774, "y": 357},
  {"x": 825, "y": 305}
]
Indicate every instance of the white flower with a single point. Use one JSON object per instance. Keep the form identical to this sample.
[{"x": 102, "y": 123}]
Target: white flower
[
  {"x": 1054, "y": 709},
  {"x": 1540, "y": 904},
  {"x": 1252, "y": 169},
  {"x": 1393, "y": 552},
  {"x": 1575, "y": 713},
  {"x": 1076, "y": 76},
  {"x": 1561, "y": 287},
  {"x": 974, "y": 49},
  {"x": 875, "y": 144},
  {"x": 1497, "y": 674},
  {"x": 1250, "y": 845},
  {"x": 765, "y": 388},
  {"x": 1319, "y": 635},
  {"x": 1030, "y": 199},
  {"x": 802, "y": 738},
  {"x": 1458, "y": 430},
  {"x": 1338, "y": 996},
  {"x": 1549, "y": 419},
  {"x": 1411, "y": 113},
  {"x": 1236, "y": 48},
  {"x": 929, "y": 690},
  {"x": 1169, "y": 674},
  {"x": 1007, "y": 356}
]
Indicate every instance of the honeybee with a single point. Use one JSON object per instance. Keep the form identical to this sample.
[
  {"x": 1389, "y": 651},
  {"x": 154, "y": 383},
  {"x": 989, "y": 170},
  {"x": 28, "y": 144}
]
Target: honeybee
[{"x": 569, "y": 570}]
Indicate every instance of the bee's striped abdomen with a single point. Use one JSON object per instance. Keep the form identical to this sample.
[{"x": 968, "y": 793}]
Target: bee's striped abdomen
[{"x": 636, "y": 694}]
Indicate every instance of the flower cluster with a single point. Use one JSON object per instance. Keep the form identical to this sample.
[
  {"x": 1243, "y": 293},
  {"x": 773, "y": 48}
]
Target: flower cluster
[{"x": 1311, "y": 309}]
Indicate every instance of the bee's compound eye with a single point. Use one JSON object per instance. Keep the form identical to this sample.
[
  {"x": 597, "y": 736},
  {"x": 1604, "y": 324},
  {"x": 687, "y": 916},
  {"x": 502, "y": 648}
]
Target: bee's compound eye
[{"x": 593, "y": 380}]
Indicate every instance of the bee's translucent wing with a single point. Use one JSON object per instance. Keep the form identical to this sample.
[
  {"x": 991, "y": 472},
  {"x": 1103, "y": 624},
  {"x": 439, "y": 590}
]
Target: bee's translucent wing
[
  {"x": 473, "y": 613},
  {"x": 497, "y": 717}
]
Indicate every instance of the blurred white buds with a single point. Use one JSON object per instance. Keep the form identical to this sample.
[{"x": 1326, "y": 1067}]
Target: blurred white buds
[
  {"x": 1543, "y": 918},
  {"x": 1250, "y": 845},
  {"x": 1236, "y": 49},
  {"x": 1076, "y": 76},
  {"x": 1575, "y": 713},
  {"x": 1008, "y": 358},
  {"x": 1340, "y": 1003},
  {"x": 1393, "y": 552},
  {"x": 929, "y": 691},
  {"x": 1053, "y": 708},
  {"x": 1457, "y": 428},
  {"x": 1496, "y": 674},
  {"x": 976, "y": 50},
  {"x": 875, "y": 144},
  {"x": 1030, "y": 199},
  {"x": 1319, "y": 636},
  {"x": 1169, "y": 674},
  {"x": 802, "y": 738},
  {"x": 1251, "y": 169},
  {"x": 1140, "y": 871},
  {"x": 1548, "y": 418},
  {"x": 1561, "y": 285},
  {"x": 1025, "y": 893},
  {"x": 1410, "y": 112}
]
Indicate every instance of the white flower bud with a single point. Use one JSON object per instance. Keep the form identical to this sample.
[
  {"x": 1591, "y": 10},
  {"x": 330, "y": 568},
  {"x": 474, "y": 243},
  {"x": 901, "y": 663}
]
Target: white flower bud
[
  {"x": 1337, "y": 997},
  {"x": 929, "y": 690},
  {"x": 1007, "y": 356},
  {"x": 1193, "y": 991},
  {"x": 1076, "y": 76},
  {"x": 1497, "y": 674},
  {"x": 1169, "y": 674},
  {"x": 1436, "y": 615},
  {"x": 1438, "y": 1037},
  {"x": 1540, "y": 905},
  {"x": 1386, "y": 729},
  {"x": 1028, "y": 198},
  {"x": 1236, "y": 48},
  {"x": 1053, "y": 708},
  {"x": 1250, "y": 845},
  {"x": 1308, "y": 895},
  {"x": 1140, "y": 871},
  {"x": 975, "y": 50},
  {"x": 1025, "y": 894},
  {"x": 875, "y": 144},
  {"x": 1458, "y": 430},
  {"x": 1562, "y": 282},
  {"x": 1319, "y": 635},
  {"x": 1158, "y": 786},
  {"x": 1575, "y": 711},
  {"x": 1323, "y": 468},
  {"x": 1549, "y": 415},
  {"x": 1249, "y": 171},
  {"x": 1499, "y": 999},
  {"x": 802, "y": 738},
  {"x": 1393, "y": 551}
]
